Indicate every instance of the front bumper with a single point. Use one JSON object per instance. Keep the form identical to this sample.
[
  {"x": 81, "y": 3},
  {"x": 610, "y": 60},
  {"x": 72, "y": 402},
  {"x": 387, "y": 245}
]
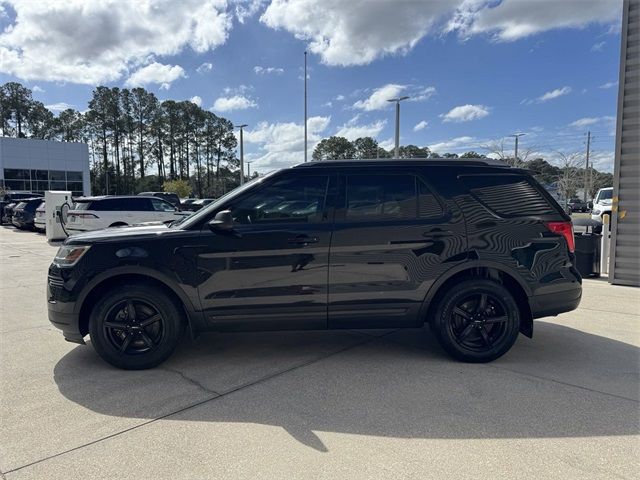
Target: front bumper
[{"x": 61, "y": 310}]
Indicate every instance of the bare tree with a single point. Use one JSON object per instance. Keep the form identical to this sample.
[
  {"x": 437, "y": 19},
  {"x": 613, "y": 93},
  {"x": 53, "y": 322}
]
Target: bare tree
[
  {"x": 503, "y": 150},
  {"x": 570, "y": 173}
]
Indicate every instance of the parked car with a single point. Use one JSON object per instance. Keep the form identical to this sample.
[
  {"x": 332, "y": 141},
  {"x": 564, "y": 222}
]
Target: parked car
[
  {"x": 377, "y": 244},
  {"x": 577, "y": 205},
  {"x": 40, "y": 221},
  {"x": 24, "y": 213},
  {"x": 13, "y": 197},
  {"x": 195, "y": 204},
  {"x": 602, "y": 204},
  {"x": 96, "y": 213},
  {"x": 170, "y": 197}
]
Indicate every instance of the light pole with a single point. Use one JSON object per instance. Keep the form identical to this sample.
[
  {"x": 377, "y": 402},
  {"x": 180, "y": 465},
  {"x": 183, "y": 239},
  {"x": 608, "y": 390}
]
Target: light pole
[
  {"x": 305, "y": 106},
  {"x": 249, "y": 169},
  {"x": 397, "y": 100},
  {"x": 517, "y": 135},
  {"x": 241, "y": 152}
]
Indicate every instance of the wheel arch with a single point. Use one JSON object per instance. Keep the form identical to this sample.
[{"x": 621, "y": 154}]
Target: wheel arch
[
  {"x": 105, "y": 282},
  {"x": 486, "y": 270}
]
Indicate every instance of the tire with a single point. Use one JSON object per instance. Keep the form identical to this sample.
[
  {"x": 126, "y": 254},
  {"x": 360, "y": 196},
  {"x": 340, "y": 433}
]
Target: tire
[
  {"x": 471, "y": 333},
  {"x": 140, "y": 338}
]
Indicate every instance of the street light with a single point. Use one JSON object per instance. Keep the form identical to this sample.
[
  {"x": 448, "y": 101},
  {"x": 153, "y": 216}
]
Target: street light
[
  {"x": 241, "y": 153},
  {"x": 397, "y": 100},
  {"x": 249, "y": 169},
  {"x": 517, "y": 135}
]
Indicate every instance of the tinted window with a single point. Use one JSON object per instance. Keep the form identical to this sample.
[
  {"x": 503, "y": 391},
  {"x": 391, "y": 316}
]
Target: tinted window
[
  {"x": 508, "y": 195},
  {"x": 84, "y": 205},
  {"x": 287, "y": 200},
  {"x": 122, "y": 204},
  {"x": 162, "y": 206},
  {"x": 381, "y": 197},
  {"x": 605, "y": 195},
  {"x": 428, "y": 205}
]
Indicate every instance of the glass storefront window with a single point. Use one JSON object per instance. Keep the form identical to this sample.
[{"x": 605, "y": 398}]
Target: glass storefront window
[
  {"x": 57, "y": 175},
  {"x": 16, "y": 174},
  {"x": 74, "y": 176}
]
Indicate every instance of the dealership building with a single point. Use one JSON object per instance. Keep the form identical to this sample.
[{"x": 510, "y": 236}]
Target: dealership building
[{"x": 39, "y": 165}]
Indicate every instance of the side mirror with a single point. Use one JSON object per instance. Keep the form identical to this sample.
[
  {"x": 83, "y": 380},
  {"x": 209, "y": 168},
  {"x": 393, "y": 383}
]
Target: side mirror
[{"x": 222, "y": 221}]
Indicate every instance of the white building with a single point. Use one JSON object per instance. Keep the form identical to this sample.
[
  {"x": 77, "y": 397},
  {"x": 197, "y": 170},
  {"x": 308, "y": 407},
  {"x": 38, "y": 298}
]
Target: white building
[{"x": 39, "y": 165}]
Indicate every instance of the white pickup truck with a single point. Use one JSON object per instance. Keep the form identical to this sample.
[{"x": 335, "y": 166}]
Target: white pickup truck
[{"x": 602, "y": 204}]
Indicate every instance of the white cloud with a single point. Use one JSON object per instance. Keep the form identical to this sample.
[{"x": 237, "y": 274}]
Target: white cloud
[
  {"x": 247, "y": 8},
  {"x": 558, "y": 92},
  {"x": 258, "y": 70},
  {"x": 352, "y": 130},
  {"x": 584, "y": 122},
  {"x": 235, "y": 102},
  {"x": 387, "y": 144},
  {"x": 597, "y": 47},
  {"x": 420, "y": 126},
  {"x": 197, "y": 100},
  {"x": 340, "y": 98},
  {"x": 457, "y": 143},
  {"x": 378, "y": 100},
  {"x": 282, "y": 144},
  {"x": 204, "y": 68},
  {"x": 514, "y": 19},
  {"x": 465, "y": 113},
  {"x": 156, "y": 73},
  {"x": 355, "y": 32},
  {"x": 59, "y": 107},
  {"x": 608, "y": 85},
  {"x": 327, "y": 104},
  {"x": 37, "y": 89},
  {"x": 93, "y": 42}
]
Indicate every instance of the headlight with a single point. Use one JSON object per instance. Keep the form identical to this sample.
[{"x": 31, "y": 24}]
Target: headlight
[{"x": 69, "y": 255}]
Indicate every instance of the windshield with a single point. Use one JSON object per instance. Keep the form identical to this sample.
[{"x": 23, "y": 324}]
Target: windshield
[
  {"x": 605, "y": 194},
  {"x": 204, "y": 211}
]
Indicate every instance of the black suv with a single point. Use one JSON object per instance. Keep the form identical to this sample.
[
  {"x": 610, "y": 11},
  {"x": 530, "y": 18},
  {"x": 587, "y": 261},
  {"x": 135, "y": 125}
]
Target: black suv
[{"x": 475, "y": 249}]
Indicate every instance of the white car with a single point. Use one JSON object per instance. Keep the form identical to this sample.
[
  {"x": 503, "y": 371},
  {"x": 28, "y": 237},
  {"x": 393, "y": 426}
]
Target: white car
[
  {"x": 96, "y": 213},
  {"x": 602, "y": 204},
  {"x": 39, "y": 220}
]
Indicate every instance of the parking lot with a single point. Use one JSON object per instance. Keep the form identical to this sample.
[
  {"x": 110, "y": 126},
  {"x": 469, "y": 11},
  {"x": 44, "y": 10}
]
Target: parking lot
[{"x": 341, "y": 404}]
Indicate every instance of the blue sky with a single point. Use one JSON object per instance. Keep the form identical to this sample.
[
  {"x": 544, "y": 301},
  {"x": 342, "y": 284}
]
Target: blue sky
[{"x": 476, "y": 70}]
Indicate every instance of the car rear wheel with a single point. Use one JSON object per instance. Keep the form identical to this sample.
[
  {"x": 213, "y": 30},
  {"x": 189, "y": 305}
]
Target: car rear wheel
[
  {"x": 476, "y": 321},
  {"x": 135, "y": 326}
]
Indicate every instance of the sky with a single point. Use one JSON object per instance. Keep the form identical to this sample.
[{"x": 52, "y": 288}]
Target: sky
[{"x": 476, "y": 71}]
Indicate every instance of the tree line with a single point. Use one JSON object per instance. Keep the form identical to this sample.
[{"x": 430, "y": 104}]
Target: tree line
[
  {"x": 567, "y": 177},
  {"x": 131, "y": 134}
]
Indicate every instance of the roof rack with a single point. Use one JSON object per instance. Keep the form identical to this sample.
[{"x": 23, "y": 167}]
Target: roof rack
[{"x": 436, "y": 160}]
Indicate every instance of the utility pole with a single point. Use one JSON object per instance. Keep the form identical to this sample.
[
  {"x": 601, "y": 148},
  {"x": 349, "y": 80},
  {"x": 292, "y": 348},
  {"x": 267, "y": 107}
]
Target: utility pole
[
  {"x": 305, "y": 106},
  {"x": 241, "y": 127},
  {"x": 587, "y": 173},
  {"x": 517, "y": 136},
  {"x": 249, "y": 169},
  {"x": 397, "y": 100}
]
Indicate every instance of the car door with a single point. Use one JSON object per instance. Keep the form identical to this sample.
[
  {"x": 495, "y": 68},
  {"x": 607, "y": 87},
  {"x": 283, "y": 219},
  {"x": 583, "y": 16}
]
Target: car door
[
  {"x": 270, "y": 271},
  {"x": 393, "y": 236}
]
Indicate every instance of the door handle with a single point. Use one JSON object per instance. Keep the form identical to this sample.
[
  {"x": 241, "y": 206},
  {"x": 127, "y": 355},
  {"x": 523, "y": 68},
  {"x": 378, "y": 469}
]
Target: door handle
[{"x": 302, "y": 240}]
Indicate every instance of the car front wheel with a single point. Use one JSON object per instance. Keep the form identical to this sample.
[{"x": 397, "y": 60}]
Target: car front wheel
[
  {"x": 135, "y": 327},
  {"x": 477, "y": 321}
]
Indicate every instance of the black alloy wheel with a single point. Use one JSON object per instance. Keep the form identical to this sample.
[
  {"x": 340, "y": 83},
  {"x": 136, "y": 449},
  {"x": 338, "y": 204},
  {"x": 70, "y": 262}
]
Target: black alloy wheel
[
  {"x": 136, "y": 326},
  {"x": 476, "y": 321}
]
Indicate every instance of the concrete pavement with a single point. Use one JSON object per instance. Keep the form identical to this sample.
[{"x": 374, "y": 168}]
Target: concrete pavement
[{"x": 346, "y": 404}]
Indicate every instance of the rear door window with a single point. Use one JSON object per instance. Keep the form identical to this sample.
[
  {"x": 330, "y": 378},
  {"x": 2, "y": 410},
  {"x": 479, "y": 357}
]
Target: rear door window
[{"x": 509, "y": 195}]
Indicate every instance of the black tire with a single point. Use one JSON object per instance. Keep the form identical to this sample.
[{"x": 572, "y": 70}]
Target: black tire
[
  {"x": 470, "y": 332},
  {"x": 140, "y": 338}
]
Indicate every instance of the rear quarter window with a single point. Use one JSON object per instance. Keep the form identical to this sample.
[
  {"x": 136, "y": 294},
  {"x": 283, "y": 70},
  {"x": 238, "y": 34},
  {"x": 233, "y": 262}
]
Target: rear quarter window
[{"x": 509, "y": 195}]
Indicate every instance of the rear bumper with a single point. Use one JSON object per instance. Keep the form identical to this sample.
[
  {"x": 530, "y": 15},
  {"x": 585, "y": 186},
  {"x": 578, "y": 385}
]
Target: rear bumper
[{"x": 554, "y": 303}]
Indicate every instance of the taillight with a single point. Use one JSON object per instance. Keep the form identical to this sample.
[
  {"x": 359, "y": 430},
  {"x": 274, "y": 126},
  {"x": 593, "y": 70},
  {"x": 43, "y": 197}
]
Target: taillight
[{"x": 566, "y": 230}]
